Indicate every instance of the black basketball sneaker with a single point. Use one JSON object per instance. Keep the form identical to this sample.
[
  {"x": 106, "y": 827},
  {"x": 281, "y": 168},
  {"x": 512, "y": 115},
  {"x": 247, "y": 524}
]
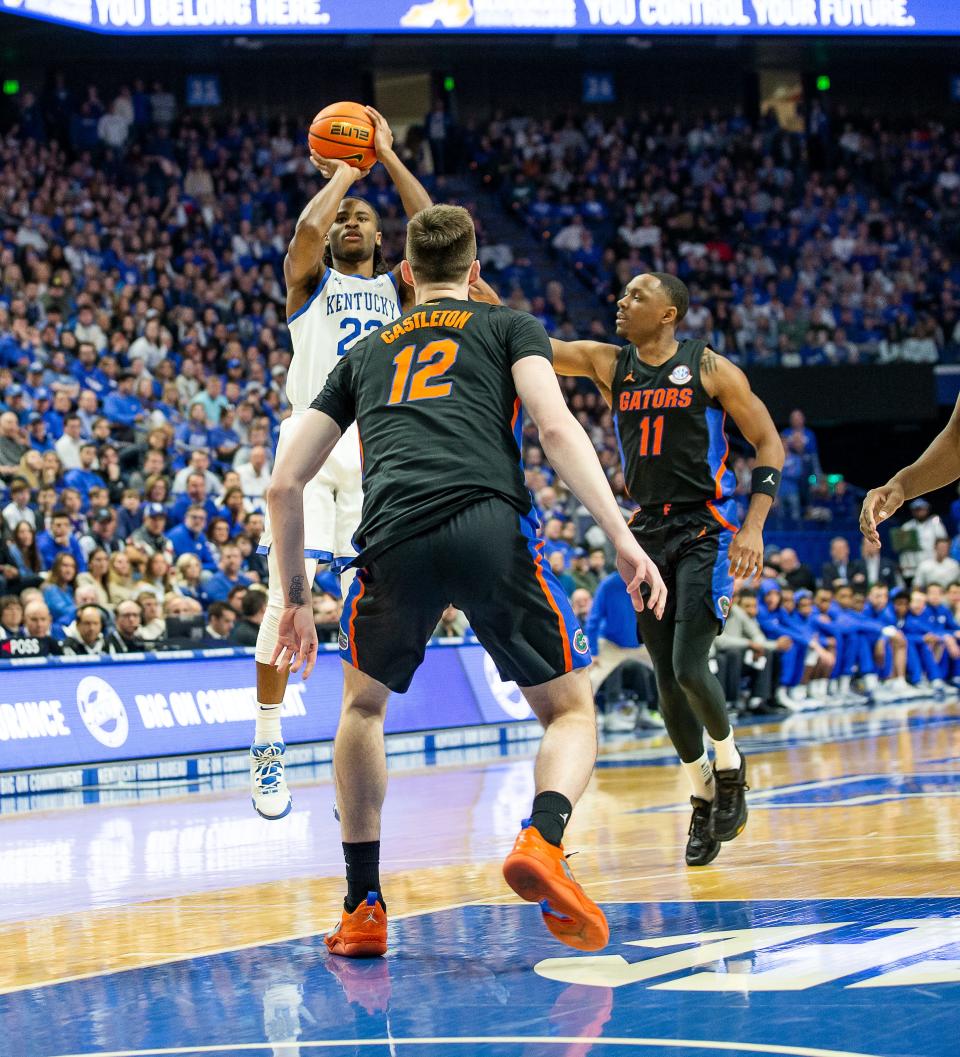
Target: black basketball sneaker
[
  {"x": 702, "y": 847},
  {"x": 728, "y": 814}
]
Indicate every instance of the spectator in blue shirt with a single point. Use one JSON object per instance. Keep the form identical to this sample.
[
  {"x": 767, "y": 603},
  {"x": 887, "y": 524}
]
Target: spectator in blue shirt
[
  {"x": 553, "y": 540},
  {"x": 58, "y": 591},
  {"x": 808, "y": 441},
  {"x": 212, "y": 400},
  {"x": 38, "y": 437},
  {"x": 195, "y": 495},
  {"x": 88, "y": 374},
  {"x": 558, "y": 566},
  {"x": 612, "y": 616},
  {"x": 189, "y": 538},
  {"x": 194, "y": 434},
  {"x": 219, "y": 586},
  {"x": 88, "y": 413},
  {"x": 60, "y": 539},
  {"x": 85, "y": 477},
  {"x": 123, "y": 407}
]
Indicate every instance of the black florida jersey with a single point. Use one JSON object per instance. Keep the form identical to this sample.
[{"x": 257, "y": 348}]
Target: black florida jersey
[
  {"x": 438, "y": 415},
  {"x": 671, "y": 432}
]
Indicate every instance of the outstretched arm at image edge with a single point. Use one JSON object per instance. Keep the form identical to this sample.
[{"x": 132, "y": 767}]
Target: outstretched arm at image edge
[{"x": 939, "y": 465}]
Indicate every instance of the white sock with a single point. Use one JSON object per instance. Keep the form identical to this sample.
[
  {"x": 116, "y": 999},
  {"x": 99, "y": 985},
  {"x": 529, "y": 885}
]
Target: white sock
[
  {"x": 268, "y": 724},
  {"x": 725, "y": 754},
  {"x": 700, "y": 776}
]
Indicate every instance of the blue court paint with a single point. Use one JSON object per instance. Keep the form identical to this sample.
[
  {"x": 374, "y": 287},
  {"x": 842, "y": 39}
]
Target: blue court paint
[{"x": 858, "y": 976}]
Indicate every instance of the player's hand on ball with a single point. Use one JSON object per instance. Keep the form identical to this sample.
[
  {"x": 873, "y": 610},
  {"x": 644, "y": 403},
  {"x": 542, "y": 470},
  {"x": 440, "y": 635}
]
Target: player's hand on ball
[
  {"x": 329, "y": 167},
  {"x": 746, "y": 554},
  {"x": 637, "y": 568},
  {"x": 878, "y": 505},
  {"x": 296, "y": 641},
  {"x": 383, "y": 134}
]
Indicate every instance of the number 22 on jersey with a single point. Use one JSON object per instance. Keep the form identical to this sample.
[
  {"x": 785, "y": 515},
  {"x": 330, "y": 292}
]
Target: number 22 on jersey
[{"x": 434, "y": 360}]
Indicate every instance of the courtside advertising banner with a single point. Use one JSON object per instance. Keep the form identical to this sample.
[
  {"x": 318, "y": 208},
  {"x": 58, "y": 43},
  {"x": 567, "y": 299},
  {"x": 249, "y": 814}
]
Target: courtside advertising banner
[
  {"x": 92, "y": 713},
  {"x": 842, "y": 17}
]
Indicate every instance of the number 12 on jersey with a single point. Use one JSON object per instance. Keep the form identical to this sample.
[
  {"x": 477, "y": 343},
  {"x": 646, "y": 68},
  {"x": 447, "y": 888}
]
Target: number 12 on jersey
[
  {"x": 436, "y": 358},
  {"x": 645, "y": 431}
]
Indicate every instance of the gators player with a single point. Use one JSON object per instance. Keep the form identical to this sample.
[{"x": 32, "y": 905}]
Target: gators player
[
  {"x": 670, "y": 400},
  {"x": 447, "y": 518}
]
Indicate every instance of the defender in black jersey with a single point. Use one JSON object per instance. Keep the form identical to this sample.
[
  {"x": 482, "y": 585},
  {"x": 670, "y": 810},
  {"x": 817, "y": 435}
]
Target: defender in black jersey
[
  {"x": 436, "y": 396},
  {"x": 670, "y": 400}
]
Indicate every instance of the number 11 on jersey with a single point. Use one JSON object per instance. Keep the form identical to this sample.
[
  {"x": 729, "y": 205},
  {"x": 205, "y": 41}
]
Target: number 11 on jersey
[
  {"x": 645, "y": 432},
  {"x": 437, "y": 358}
]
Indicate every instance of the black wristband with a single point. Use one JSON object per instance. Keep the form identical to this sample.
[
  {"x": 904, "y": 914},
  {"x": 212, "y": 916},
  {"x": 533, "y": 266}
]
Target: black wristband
[{"x": 766, "y": 480}]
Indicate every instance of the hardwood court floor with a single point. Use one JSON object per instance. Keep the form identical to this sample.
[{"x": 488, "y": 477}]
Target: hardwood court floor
[{"x": 830, "y": 927}]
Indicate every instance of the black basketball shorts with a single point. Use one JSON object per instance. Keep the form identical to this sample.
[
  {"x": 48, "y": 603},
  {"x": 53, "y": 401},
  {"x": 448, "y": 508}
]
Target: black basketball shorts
[
  {"x": 486, "y": 561},
  {"x": 691, "y": 547}
]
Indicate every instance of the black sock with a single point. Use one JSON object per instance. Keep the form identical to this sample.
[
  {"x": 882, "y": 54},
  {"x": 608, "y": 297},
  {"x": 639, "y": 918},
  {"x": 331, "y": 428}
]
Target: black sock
[
  {"x": 363, "y": 873},
  {"x": 550, "y": 815}
]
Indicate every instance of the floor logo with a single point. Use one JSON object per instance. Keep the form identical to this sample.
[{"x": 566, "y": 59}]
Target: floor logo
[
  {"x": 507, "y": 695},
  {"x": 102, "y": 711},
  {"x": 790, "y": 961}
]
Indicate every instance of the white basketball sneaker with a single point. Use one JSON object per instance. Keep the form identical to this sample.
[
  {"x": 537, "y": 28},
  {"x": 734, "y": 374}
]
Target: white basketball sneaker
[
  {"x": 621, "y": 719},
  {"x": 268, "y": 787}
]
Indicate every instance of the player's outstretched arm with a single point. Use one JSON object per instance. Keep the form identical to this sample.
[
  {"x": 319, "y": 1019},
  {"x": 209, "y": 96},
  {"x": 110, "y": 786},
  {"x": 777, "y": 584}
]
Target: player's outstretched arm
[
  {"x": 413, "y": 194},
  {"x": 304, "y": 257},
  {"x": 595, "y": 360},
  {"x": 728, "y": 384},
  {"x": 939, "y": 465},
  {"x": 571, "y": 454},
  {"x": 299, "y": 461}
]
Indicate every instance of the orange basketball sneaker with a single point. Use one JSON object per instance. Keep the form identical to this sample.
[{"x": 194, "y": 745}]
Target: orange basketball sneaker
[
  {"x": 539, "y": 873},
  {"x": 362, "y": 934}
]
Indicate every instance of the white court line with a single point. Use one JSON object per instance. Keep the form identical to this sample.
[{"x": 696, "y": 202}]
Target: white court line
[
  {"x": 486, "y": 901},
  {"x": 487, "y": 1040},
  {"x": 490, "y": 901}
]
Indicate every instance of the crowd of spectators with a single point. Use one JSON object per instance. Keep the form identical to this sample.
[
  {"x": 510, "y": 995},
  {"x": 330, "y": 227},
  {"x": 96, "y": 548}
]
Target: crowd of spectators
[
  {"x": 144, "y": 351},
  {"x": 838, "y": 244}
]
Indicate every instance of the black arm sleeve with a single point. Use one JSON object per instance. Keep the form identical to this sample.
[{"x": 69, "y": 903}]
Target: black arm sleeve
[
  {"x": 526, "y": 337},
  {"x": 338, "y": 399}
]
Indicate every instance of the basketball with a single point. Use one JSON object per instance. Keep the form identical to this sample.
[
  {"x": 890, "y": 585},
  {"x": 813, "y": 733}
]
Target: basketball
[{"x": 343, "y": 130}]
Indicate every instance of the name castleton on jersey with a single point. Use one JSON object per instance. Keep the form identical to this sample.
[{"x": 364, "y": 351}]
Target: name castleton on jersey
[
  {"x": 342, "y": 310},
  {"x": 670, "y": 430}
]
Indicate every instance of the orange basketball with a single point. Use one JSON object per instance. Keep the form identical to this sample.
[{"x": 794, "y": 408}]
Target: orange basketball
[{"x": 343, "y": 130}]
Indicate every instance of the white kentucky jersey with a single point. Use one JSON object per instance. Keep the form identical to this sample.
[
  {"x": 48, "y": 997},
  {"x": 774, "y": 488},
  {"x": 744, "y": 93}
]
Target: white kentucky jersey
[{"x": 342, "y": 310}]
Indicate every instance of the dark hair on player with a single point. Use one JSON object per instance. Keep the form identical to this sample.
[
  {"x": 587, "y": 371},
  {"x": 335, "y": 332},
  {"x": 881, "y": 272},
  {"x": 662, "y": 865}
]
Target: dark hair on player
[
  {"x": 676, "y": 292},
  {"x": 441, "y": 243},
  {"x": 380, "y": 266}
]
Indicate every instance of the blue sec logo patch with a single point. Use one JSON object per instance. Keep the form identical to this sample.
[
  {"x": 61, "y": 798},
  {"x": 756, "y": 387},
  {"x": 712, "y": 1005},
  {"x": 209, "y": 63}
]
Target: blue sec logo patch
[
  {"x": 681, "y": 375},
  {"x": 580, "y": 643}
]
